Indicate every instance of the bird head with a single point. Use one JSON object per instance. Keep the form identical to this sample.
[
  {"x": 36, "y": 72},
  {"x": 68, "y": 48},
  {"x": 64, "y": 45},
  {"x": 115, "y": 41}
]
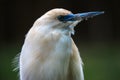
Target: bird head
[{"x": 64, "y": 20}]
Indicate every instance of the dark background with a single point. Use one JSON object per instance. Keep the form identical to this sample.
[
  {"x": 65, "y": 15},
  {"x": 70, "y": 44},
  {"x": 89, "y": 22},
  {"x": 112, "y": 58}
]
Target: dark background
[{"x": 98, "y": 39}]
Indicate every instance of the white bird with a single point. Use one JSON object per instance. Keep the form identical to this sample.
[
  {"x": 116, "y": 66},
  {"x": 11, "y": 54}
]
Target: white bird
[{"x": 49, "y": 53}]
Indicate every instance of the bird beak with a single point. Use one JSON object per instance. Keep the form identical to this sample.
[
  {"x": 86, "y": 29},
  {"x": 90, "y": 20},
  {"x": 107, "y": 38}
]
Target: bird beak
[{"x": 80, "y": 16}]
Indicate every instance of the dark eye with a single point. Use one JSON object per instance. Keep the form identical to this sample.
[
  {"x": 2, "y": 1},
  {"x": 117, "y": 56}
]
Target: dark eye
[
  {"x": 61, "y": 18},
  {"x": 64, "y": 18}
]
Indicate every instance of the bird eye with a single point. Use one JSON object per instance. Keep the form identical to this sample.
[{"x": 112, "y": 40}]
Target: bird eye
[
  {"x": 65, "y": 18},
  {"x": 61, "y": 18}
]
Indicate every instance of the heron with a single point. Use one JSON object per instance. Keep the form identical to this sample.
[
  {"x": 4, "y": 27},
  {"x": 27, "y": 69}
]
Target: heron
[{"x": 49, "y": 52}]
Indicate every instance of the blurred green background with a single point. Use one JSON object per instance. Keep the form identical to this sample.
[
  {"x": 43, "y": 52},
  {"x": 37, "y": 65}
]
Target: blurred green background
[{"x": 98, "y": 39}]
